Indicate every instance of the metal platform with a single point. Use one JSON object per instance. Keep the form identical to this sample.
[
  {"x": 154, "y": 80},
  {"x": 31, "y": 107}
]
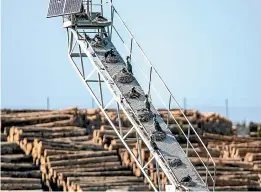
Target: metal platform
[{"x": 72, "y": 21}]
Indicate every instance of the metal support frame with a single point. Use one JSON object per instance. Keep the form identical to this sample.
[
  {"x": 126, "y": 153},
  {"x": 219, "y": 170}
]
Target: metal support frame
[
  {"x": 104, "y": 106},
  {"x": 73, "y": 40},
  {"x": 162, "y": 162},
  {"x": 157, "y": 170},
  {"x": 80, "y": 50},
  {"x": 100, "y": 88},
  {"x": 119, "y": 118}
]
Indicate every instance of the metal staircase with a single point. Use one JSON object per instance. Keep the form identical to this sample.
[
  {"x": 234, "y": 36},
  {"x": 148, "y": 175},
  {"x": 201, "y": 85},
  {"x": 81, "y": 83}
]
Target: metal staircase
[{"x": 87, "y": 54}]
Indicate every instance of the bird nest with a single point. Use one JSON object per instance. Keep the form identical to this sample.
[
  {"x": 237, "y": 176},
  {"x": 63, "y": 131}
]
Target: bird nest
[
  {"x": 176, "y": 162},
  {"x": 111, "y": 59},
  {"x": 144, "y": 115},
  {"x": 133, "y": 94},
  {"x": 158, "y": 135},
  {"x": 101, "y": 43},
  {"x": 189, "y": 184},
  {"x": 123, "y": 77}
]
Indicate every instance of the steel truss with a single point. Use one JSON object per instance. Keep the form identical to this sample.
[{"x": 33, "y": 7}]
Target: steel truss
[
  {"x": 75, "y": 40},
  {"x": 79, "y": 48}
]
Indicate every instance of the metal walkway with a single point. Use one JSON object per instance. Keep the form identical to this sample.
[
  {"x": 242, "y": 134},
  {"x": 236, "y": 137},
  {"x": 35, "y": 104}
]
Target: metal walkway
[{"x": 89, "y": 60}]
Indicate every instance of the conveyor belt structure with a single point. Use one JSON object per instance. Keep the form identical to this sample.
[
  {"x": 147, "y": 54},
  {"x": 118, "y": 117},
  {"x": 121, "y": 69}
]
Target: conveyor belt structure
[{"x": 87, "y": 56}]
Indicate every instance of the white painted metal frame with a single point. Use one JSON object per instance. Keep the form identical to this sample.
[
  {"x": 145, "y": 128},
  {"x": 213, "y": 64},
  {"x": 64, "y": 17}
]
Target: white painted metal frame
[
  {"x": 73, "y": 35},
  {"x": 85, "y": 48}
]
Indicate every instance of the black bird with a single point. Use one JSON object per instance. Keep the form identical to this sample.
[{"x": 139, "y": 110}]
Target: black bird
[
  {"x": 147, "y": 103},
  {"x": 87, "y": 38},
  {"x": 121, "y": 98},
  {"x": 133, "y": 90},
  {"x": 129, "y": 67},
  {"x": 134, "y": 93},
  {"x": 99, "y": 17},
  {"x": 124, "y": 70},
  {"x": 154, "y": 145},
  {"x": 156, "y": 124},
  {"x": 186, "y": 179},
  {"x": 97, "y": 37},
  {"x": 110, "y": 52}
]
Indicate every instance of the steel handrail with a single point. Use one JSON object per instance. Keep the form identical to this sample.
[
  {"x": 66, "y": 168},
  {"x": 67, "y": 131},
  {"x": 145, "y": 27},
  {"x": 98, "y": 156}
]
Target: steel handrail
[
  {"x": 164, "y": 84},
  {"x": 172, "y": 117}
]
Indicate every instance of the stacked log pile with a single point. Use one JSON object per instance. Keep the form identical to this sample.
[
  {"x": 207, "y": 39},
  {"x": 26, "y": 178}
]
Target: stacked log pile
[
  {"x": 216, "y": 123},
  {"x": 255, "y": 129},
  {"x": 241, "y": 154},
  {"x": 17, "y": 169},
  {"x": 243, "y": 175},
  {"x": 68, "y": 158},
  {"x": 66, "y": 117},
  {"x": 202, "y": 122}
]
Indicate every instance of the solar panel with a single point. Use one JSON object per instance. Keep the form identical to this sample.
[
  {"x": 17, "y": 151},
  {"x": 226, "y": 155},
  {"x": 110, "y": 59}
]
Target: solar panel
[
  {"x": 55, "y": 8},
  {"x": 64, "y": 7},
  {"x": 72, "y": 6}
]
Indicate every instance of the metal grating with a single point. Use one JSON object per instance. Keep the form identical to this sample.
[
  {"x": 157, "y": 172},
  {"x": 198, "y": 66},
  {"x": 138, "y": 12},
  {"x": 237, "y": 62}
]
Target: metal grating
[
  {"x": 72, "y": 6},
  {"x": 55, "y": 8}
]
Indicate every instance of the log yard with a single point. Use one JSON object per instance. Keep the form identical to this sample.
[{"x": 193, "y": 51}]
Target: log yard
[
  {"x": 78, "y": 150},
  {"x": 137, "y": 137}
]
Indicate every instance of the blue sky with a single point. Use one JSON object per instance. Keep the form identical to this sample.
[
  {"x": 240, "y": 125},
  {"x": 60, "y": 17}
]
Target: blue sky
[{"x": 210, "y": 50}]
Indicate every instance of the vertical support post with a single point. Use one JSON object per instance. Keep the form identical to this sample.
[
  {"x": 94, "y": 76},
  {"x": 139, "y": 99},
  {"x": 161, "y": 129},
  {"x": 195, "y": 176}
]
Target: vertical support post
[
  {"x": 206, "y": 181},
  {"x": 139, "y": 148},
  {"x": 188, "y": 141},
  {"x": 168, "y": 111},
  {"x": 158, "y": 176},
  {"x": 112, "y": 15},
  {"x": 131, "y": 47},
  {"x": 119, "y": 118},
  {"x": 68, "y": 36},
  {"x": 100, "y": 88},
  {"x": 88, "y": 9},
  {"x": 101, "y": 8},
  {"x": 226, "y": 102},
  {"x": 150, "y": 81},
  {"x": 80, "y": 51},
  {"x": 70, "y": 42},
  {"x": 214, "y": 184},
  {"x": 91, "y": 8},
  {"x": 103, "y": 32}
]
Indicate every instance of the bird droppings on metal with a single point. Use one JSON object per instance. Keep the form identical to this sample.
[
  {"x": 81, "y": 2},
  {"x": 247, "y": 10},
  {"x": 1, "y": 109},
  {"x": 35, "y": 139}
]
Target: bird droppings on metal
[
  {"x": 158, "y": 135},
  {"x": 144, "y": 115},
  {"x": 133, "y": 93},
  {"x": 123, "y": 76}
]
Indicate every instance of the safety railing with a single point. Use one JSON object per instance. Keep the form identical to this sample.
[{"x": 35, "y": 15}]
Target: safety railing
[{"x": 153, "y": 80}]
